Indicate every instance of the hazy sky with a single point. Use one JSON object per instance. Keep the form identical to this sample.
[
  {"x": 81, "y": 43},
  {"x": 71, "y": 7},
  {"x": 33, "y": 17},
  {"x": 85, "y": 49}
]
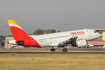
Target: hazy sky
[{"x": 52, "y": 14}]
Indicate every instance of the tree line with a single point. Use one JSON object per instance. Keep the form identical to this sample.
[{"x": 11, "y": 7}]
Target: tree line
[{"x": 41, "y": 31}]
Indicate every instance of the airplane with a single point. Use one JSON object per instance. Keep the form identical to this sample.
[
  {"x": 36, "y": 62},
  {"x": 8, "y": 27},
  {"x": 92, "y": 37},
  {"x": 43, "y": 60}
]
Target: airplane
[{"x": 61, "y": 39}]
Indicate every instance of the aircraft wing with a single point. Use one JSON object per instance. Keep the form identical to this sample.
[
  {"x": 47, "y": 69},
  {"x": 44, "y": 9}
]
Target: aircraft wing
[{"x": 64, "y": 41}]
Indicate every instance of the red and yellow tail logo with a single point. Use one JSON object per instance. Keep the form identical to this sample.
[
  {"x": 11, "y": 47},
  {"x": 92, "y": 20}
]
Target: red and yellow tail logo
[
  {"x": 20, "y": 36},
  {"x": 17, "y": 32}
]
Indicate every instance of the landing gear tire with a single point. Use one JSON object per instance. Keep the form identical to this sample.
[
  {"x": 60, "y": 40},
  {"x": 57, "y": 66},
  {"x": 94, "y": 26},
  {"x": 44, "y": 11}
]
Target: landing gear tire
[
  {"x": 52, "y": 50},
  {"x": 64, "y": 50}
]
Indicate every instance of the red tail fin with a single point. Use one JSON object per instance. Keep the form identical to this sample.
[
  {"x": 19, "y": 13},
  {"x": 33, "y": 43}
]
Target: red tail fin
[{"x": 16, "y": 30}]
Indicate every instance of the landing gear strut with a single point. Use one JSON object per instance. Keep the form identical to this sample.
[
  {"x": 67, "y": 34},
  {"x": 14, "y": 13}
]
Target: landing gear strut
[
  {"x": 64, "y": 50},
  {"x": 52, "y": 50}
]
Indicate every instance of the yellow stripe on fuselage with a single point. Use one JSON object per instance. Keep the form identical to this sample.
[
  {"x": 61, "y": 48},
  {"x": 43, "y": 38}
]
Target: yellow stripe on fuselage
[{"x": 11, "y": 21}]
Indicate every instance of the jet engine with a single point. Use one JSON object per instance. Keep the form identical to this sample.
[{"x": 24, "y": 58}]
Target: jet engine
[{"x": 79, "y": 43}]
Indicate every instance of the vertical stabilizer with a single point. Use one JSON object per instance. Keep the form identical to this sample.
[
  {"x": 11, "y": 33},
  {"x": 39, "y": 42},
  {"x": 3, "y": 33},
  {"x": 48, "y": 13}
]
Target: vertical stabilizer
[{"x": 17, "y": 32}]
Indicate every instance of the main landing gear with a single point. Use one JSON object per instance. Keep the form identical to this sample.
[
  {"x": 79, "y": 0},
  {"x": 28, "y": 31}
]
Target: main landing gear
[
  {"x": 52, "y": 50},
  {"x": 64, "y": 50}
]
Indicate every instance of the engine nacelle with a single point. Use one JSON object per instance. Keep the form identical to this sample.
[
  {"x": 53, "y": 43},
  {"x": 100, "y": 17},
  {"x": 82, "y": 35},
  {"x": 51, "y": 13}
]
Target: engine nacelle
[{"x": 81, "y": 43}]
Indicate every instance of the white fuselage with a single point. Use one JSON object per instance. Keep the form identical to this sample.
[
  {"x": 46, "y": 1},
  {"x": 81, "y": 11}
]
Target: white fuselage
[
  {"x": 75, "y": 38},
  {"x": 55, "y": 38}
]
